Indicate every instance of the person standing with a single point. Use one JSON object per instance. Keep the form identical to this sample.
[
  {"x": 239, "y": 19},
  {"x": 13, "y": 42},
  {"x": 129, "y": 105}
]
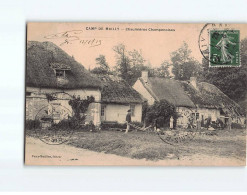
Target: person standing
[
  {"x": 171, "y": 122},
  {"x": 208, "y": 124},
  {"x": 198, "y": 124},
  {"x": 230, "y": 123},
  {"x": 202, "y": 121},
  {"x": 128, "y": 121}
]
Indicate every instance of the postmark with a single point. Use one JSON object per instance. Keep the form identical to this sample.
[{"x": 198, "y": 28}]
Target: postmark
[
  {"x": 54, "y": 124},
  {"x": 176, "y": 137},
  {"x": 219, "y": 44}
]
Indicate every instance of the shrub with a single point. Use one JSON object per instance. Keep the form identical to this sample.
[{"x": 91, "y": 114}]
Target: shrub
[
  {"x": 137, "y": 123},
  {"x": 208, "y": 122},
  {"x": 73, "y": 124},
  {"x": 116, "y": 125},
  {"x": 63, "y": 125},
  {"x": 32, "y": 124},
  {"x": 79, "y": 105},
  {"x": 237, "y": 126},
  {"x": 144, "y": 110},
  {"x": 159, "y": 113},
  {"x": 90, "y": 127},
  {"x": 110, "y": 125}
]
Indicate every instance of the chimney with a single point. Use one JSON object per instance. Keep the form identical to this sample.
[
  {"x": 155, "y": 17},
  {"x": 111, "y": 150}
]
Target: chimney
[
  {"x": 145, "y": 76},
  {"x": 193, "y": 82}
]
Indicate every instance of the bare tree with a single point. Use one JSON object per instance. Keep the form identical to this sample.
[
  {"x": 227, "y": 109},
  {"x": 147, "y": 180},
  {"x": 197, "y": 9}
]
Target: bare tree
[{"x": 123, "y": 61}]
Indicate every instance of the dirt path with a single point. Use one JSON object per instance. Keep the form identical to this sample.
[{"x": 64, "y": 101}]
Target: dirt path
[{"x": 39, "y": 153}]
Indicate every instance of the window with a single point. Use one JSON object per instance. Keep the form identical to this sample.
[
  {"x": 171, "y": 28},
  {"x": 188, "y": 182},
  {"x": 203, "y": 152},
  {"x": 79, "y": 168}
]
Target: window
[
  {"x": 59, "y": 69},
  {"x": 132, "y": 109},
  {"x": 60, "y": 73},
  {"x": 103, "y": 110},
  {"x": 195, "y": 115}
]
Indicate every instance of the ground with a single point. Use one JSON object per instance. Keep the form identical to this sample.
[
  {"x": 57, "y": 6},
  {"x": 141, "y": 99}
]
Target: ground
[{"x": 139, "y": 148}]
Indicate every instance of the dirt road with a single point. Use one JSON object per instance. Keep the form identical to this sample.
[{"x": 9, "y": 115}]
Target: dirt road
[{"x": 39, "y": 153}]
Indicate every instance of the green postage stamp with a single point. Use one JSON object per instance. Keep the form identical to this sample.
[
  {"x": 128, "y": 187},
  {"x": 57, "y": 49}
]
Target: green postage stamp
[{"x": 224, "y": 48}]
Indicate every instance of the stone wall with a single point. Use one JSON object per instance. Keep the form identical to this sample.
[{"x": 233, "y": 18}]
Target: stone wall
[{"x": 37, "y": 102}]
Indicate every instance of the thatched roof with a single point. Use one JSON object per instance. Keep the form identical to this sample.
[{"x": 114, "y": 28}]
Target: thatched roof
[
  {"x": 209, "y": 96},
  {"x": 60, "y": 66},
  {"x": 45, "y": 57},
  {"x": 168, "y": 89},
  {"x": 116, "y": 90},
  {"x": 182, "y": 93}
]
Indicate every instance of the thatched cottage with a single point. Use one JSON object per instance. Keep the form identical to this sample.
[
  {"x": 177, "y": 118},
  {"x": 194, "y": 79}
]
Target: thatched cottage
[
  {"x": 49, "y": 70},
  {"x": 191, "y": 98},
  {"x": 117, "y": 97}
]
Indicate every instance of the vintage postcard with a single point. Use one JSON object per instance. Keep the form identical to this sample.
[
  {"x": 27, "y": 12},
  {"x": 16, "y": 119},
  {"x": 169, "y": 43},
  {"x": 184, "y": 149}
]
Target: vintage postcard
[{"x": 145, "y": 94}]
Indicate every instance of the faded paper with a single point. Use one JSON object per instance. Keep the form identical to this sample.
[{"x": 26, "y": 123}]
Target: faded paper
[{"x": 182, "y": 86}]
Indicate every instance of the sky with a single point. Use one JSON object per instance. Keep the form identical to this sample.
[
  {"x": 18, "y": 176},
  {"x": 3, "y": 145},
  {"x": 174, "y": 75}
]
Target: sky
[{"x": 86, "y": 41}]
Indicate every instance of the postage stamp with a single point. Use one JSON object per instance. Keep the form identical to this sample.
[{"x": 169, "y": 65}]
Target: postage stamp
[
  {"x": 219, "y": 44},
  {"x": 224, "y": 48}
]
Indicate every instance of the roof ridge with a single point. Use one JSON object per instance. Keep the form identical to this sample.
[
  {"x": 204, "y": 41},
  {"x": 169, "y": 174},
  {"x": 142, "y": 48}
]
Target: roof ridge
[
  {"x": 149, "y": 90},
  {"x": 118, "y": 91}
]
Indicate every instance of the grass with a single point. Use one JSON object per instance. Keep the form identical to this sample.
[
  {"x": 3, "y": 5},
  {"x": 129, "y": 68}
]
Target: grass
[
  {"x": 141, "y": 145},
  {"x": 134, "y": 144}
]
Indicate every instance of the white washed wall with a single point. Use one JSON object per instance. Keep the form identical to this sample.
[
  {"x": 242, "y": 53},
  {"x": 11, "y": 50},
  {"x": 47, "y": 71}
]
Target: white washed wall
[
  {"x": 138, "y": 86},
  {"x": 203, "y": 112},
  {"x": 117, "y": 112},
  {"x": 214, "y": 113}
]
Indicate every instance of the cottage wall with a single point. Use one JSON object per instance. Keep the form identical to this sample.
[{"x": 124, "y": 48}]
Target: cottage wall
[
  {"x": 204, "y": 113},
  {"x": 117, "y": 113},
  {"x": 38, "y": 100},
  {"x": 184, "y": 114},
  {"x": 34, "y": 104},
  {"x": 138, "y": 86},
  {"x": 240, "y": 120}
]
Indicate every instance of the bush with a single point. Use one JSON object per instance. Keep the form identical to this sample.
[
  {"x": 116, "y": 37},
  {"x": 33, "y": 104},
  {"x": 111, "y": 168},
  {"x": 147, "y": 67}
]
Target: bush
[
  {"x": 208, "y": 122},
  {"x": 90, "y": 127},
  {"x": 73, "y": 124},
  {"x": 144, "y": 110},
  {"x": 79, "y": 105},
  {"x": 116, "y": 125},
  {"x": 237, "y": 126},
  {"x": 32, "y": 124},
  {"x": 112, "y": 125},
  {"x": 137, "y": 123},
  {"x": 159, "y": 114},
  {"x": 63, "y": 125}
]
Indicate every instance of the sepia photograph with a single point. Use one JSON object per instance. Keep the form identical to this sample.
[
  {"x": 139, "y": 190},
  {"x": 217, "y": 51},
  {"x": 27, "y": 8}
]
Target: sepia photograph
[
  {"x": 136, "y": 94},
  {"x": 123, "y": 96}
]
